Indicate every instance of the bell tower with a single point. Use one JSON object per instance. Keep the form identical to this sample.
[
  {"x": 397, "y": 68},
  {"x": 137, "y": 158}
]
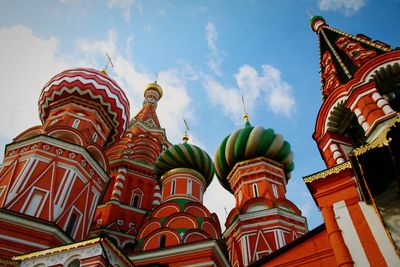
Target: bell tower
[{"x": 132, "y": 190}]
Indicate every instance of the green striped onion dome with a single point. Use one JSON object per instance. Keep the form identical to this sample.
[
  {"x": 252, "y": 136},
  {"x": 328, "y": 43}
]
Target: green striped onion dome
[
  {"x": 248, "y": 143},
  {"x": 185, "y": 156}
]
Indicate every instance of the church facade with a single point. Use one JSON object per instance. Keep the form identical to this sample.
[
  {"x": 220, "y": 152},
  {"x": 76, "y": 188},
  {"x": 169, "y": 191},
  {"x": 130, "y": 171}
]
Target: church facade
[{"x": 93, "y": 186}]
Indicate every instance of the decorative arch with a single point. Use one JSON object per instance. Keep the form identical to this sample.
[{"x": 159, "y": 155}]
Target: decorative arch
[
  {"x": 166, "y": 209},
  {"x": 29, "y": 133},
  {"x": 259, "y": 202},
  {"x": 136, "y": 197},
  {"x": 99, "y": 156},
  {"x": 208, "y": 226},
  {"x": 194, "y": 236},
  {"x": 70, "y": 135},
  {"x": 181, "y": 220},
  {"x": 197, "y": 210},
  {"x": 151, "y": 226},
  {"x": 73, "y": 261},
  {"x": 283, "y": 202},
  {"x": 171, "y": 236}
]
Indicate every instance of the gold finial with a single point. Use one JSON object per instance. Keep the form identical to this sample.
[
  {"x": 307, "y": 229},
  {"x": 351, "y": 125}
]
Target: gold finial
[
  {"x": 109, "y": 62},
  {"x": 245, "y": 115},
  {"x": 185, "y": 137}
]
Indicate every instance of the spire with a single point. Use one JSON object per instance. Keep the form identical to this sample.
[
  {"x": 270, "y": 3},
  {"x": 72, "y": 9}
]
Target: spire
[
  {"x": 147, "y": 114},
  {"x": 342, "y": 54}
]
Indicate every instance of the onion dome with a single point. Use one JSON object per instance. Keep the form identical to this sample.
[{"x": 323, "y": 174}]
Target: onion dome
[
  {"x": 153, "y": 87},
  {"x": 316, "y": 22},
  {"x": 185, "y": 156},
  {"x": 248, "y": 143},
  {"x": 93, "y": 86}
]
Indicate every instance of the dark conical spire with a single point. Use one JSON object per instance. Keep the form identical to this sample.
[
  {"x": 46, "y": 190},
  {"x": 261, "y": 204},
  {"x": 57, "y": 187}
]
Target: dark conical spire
[{"x": 342, "y": 54}]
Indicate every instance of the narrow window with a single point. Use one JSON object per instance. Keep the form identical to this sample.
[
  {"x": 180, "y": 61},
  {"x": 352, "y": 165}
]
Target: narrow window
[
  {"x": 240, "y": 196},
  {"x": 34, "y": 204},
  {"x": 94, "y": 137},
  {"x": 275, "y": 190},
  {"x": 135, "y": 202},
  {"x": 71, "y": 224},
  {"x": 76, "y": 123},
  {"x": 173, "y": 184},
  {"x": 161, "y": 241},
  {"x": 189, "y": 187},
  {"x": 255, "y": 190}
]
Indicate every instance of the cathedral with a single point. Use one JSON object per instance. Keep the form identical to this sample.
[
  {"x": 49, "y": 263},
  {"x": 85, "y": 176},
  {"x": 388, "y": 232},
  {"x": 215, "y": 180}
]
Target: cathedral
[{"x": 94, "y": 185}]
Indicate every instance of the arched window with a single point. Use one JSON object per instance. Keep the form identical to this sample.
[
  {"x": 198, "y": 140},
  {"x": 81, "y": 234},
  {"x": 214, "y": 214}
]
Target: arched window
[
  {"x": 161, "y": 241},
  {"x": 189, "y": 187},
  {"x": 75, "y": 263},
  {"x": 94, "y": 137},
  {"x": 275, "y": 190},
  {"x": 173, "y": 185},
  {"x": 255, "y": 190},
  {"x": 71, "y": 224},
  {"x": 76, "y": 123},
  {"x": 135, "y": 201}
]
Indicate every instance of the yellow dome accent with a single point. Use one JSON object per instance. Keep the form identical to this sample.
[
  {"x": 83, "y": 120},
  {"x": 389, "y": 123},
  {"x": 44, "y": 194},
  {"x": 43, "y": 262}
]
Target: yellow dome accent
[{"x": 154, "y": 86}]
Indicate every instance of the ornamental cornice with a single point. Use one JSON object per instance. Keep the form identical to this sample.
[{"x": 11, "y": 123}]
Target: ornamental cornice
[
  {"x": 322, "y": 175},
  {"x": 184, "y": 170},
  {"x": 381, "y": 140},
  {"x": 65, "y": 150}
]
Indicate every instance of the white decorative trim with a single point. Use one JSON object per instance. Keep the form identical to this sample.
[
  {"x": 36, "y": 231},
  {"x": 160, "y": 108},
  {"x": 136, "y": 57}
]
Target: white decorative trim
[
  {"x": 349, "y": 234},
  {"x": 35, "y": 226},
  {"x": 381, "y": 238},
  {"x": 189, "y": 248},
  {"x": 68, "y": 146},
  {"x": 22, "y": 241}
]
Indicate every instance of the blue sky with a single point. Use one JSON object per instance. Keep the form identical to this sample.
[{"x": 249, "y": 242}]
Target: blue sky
[{"x": 207, "y": 55}]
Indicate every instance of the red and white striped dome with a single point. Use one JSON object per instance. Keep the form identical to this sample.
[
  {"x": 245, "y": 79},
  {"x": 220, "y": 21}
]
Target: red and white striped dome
[{"x": 91, "y": 85}]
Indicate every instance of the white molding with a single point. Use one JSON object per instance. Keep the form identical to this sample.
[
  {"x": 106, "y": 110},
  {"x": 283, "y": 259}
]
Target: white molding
[
  {"x": 381, "y": 238},
  {"x": 349, "y": 234},
  {"x": 64, "y": 145},
  {"x": 177, "y": 251},
  {"x": 22, "y": 241}
]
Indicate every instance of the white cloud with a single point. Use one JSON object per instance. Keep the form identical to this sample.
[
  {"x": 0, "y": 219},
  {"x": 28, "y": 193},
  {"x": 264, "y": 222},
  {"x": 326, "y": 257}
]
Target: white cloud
[
  {"x": 347, "y": 7},
  {"x": 28, "y": 62},
  {"x": 219, "y": 200},
  {"x": 213, "y": 59},
  {"x": 306, "y": 206},
  {"x": 211, "y": 36},
  {"x": 173, "y": 106},
  {"x": 254, "y": 86},
  {"x": 202, "y": 9},
  {"x": 126, "y": 6}
]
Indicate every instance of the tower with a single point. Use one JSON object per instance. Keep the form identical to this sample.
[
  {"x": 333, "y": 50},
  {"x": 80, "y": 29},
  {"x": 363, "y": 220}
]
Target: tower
[
  {"x": 132, "y": 190},
  {"x": 54, "y": 174},
  {"x": 254, "y": 164},
  {"x": 357, "y": 134},
  {"x": 181, "y": 231}
]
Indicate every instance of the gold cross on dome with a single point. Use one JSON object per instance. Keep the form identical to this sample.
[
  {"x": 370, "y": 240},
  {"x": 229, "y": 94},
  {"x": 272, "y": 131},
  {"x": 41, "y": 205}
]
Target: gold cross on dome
[
  {"x": 109, "y": 62},
  {"x": 186, "y": 136}
]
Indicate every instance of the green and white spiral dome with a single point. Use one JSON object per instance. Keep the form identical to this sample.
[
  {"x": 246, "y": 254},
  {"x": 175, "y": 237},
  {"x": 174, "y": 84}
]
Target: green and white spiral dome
[
  {"x": 249, "y": 143},
  {"x": 185, "y": 156}
]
